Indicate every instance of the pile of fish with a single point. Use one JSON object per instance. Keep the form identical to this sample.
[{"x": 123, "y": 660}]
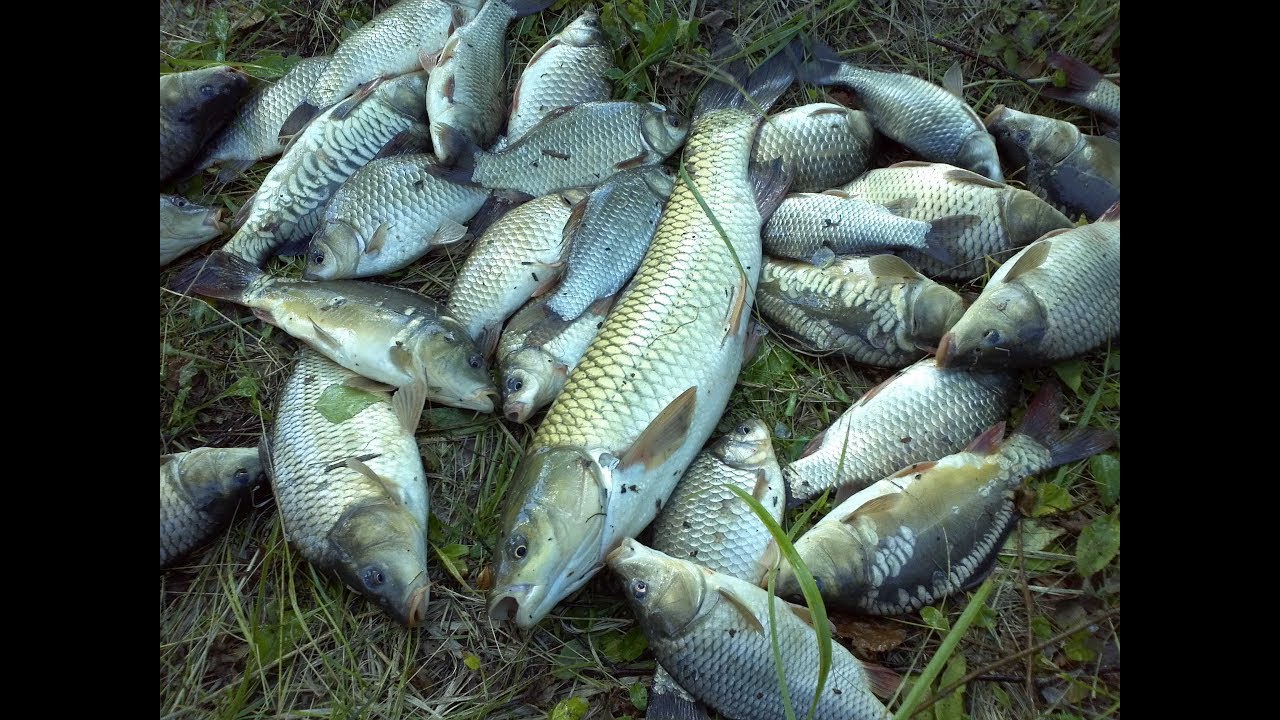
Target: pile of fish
[{"x": 619, "y": 293}]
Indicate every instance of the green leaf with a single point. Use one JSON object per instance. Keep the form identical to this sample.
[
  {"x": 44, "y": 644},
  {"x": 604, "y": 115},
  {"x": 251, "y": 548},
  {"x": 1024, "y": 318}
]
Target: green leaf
[
  {"x": 639, "y": 696},
  {"x": 339, "y": 403},
  {"x": 1106, "y": 472},
  {"x": 449, "y": 557},
  {"x": 1099, "y": 542},
  {"x": 220, "y": 26},
  {"x": 471, "y": 661},
  {"x": 571, "y": 708},
  {"x": 934, "y": 619},
  {"x": 620, "y": 647},
  {"x": 1070, "y": 372},
  {"x": 1041, "y": 627},
  {"x": 951, "y": 707},
  {"x": 1050, "y": 499},
  {"x": 1077, "y": 648}
]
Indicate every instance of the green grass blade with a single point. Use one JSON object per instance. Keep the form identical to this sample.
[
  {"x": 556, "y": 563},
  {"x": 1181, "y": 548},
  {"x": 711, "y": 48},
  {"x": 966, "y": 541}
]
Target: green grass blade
[
  {"x": 948, "y": 646},
  {"x": 811, "y": 595}
]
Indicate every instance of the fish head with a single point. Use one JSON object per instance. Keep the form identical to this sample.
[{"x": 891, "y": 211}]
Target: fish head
[
  {"x": 978, "y": 153},
  {"x": 334, "y": 252},
  {"x": 382, "y": 554},
  {"x": 666, "y": 593},
  {"x": 1026, "y": 217},
  {"x": 552, "y": 534},
  {"x": 530, "y": 379},
  {"x": 584, "y": 31},
  {"x": 663, "y": 130},
  {"x": 181, "y": 219},
  {"x": 934, "y": 311},
  {"x": 1001, "y": 330},
  {"x": 203, "y": 97},
  {"x": 822, "y": 566},
  {"x": 746, "y": 446},
  {"x": 456, "y": 371},
  {"x": 1023, "y": 135},
  {"x": 214, "y": 478},
  {"x": 406, "y": 93}
]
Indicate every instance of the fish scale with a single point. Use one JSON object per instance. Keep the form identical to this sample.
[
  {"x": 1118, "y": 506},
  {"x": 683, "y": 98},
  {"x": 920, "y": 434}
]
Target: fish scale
[
  {"x": 465, "y": 90},
  {"x": 290, "y": 202},
  {"x": 825, "y": 144},
  {"x": 568, "y": 70}
]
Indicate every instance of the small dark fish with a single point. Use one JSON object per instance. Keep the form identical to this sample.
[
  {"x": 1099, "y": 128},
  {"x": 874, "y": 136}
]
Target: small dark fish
[{"x": 194, "y": 106}]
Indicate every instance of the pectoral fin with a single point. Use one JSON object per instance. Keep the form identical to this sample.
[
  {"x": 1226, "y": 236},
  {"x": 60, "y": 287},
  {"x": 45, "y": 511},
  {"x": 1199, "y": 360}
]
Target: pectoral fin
[
  {"x": 743, "y": 609},
  {"x": 664, "y": 435},
  {"x": 408, "y": 403}
]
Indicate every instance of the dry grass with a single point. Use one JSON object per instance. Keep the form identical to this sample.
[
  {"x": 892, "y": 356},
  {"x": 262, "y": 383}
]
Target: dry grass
[{"x": 249, "y": 629}]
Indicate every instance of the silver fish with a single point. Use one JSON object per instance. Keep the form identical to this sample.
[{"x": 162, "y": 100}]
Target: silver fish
[
  {"x": 934, "y": 528},
  {"x": 254, "y": 133},
  {"x": 185, "y": 226},
  {"x": 396, "y": 41},
  {"x": 920, "y": 414},
  {"x": 934, "y": 122},
  {"x": 1058, "y": 298},
  {"x": 1008, "y": 218},
  {"x": 519, "y": 256},
  {"x": 582, "y": 146},
  {"x": 386, "y": 118},
  {"x": 609, "y": 233},
  {"x": 1085, "y": 87},
  {"x": 199, "y": 491},
  {"x": 568, "y": 70},
  {"x": 876, "y": 310},
  {"x": 823, "y": 144},
  {"x": 194, "y": 106},
  {"x": 387, "y": 215},
  {"x": 1078, "y": 173},
  {"x": 537, "y": 352},
  {"x": 712, "y": 632},
  {"x": 350, "y": 485},
  {"x": 818, "y": 226}
]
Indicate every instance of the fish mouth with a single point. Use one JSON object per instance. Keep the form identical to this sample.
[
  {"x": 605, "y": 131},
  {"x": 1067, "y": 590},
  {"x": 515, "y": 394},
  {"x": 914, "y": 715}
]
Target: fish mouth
[
  {"x": 214, "y": 221},
  {"x": 994, "y": 116},
  {"x": 481, "y": 400},
  {"x": 945, "y": 356},
  {"x": 417, "y": 606},
  {"x": 516, "y": 411},
  {"x": 521, "y": 603},
  {"x": 623, "y": 552}
]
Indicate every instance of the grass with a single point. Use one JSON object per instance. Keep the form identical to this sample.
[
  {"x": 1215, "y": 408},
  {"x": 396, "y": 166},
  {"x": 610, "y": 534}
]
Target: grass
[{"x": 249, "y": 629}]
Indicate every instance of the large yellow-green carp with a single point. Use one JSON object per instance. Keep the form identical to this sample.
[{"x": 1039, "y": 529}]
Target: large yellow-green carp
[
  {"x": 656, "y": 379},
  {"x": 199, "y": 491}
]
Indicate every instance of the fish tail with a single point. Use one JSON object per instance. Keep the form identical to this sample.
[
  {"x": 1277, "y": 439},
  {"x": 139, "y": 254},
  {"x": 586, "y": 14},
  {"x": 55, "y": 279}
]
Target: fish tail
[
  {"x": 528, "y": 7},
  {"x": 1041, "y": 424},
  {"x": 823, "y": 65},
  {"x": 297, "y": 120},
  {"x": 461, "y": 150},
  {"x": 220, "y": 275},
  {"x": 669, "y": 701},
  {"x": 759, "y": 90},
  {"x": 940, "y": 240},
  {"x": 1081, "y": 78}
]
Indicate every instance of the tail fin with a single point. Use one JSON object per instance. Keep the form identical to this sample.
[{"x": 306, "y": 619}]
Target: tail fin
[
  {"x": 669, "y": 701},
  {"x": 1041, "y": 424},
  {"x": 221, "y": 275},
  {"x": 460, "y": 150},
  {"x": 528, "y": 7},
  {"x": 1080, "y": 77},
  {"x": 297, "y": 120},
  {"x": 943, "y": 236},
  {"x": 757, "y": 91},
  {"x": 822, "y": 67}
]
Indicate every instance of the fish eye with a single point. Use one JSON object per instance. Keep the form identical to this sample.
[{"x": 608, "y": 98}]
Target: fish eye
[
  {"x": 991, "y": 336},
  {"x": 514, "y": 384},
  {"x": 743, "y": 430},
  {"x": 242, "y": 476},
  {"x": 450, "y": 338},
  {"x": 519, "y": 547},
  {"x": 675, "y": 121},
  {"x": 475, "y": 361},
  {"x": 372, "y": 577},
  {"x": 639, "y": 589},
  {"x": 207, "y": 90},
  {"x": 317, "y": 258},
  {"x": 179, "y": 202}
]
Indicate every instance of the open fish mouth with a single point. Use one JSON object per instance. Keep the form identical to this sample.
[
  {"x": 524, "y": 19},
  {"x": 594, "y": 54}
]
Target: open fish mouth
[
  {"x": 214, "y": 220},
  {"x": 417, "y": 606}
]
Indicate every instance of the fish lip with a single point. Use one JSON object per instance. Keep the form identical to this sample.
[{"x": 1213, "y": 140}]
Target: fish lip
[
  {"x": 419, "y": 599},
  {"x": 945, "y": 356},
  {"x": 481, "y": 400},
  {"x": 215, "y": 221},
  {"x": 993, "y": 116},
  {"x": 625, "y": 549},
  {"x": 510, "y": 601},
  {"x": 516, "y": 411}
]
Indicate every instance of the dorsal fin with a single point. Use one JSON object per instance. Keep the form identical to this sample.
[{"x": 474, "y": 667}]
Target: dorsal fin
[
  {"x": 743, "y": 609},
  {"x": 953, "y": 81},
  {"x": 1030, "y": 259},
  {"x": 912, "y": 163},
  {"x": 664, "y": 435}
]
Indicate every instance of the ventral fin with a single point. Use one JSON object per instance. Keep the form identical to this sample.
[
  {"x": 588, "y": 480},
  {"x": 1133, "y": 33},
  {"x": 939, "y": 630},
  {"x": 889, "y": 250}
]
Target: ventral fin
[{"x": 988, "y": 442}]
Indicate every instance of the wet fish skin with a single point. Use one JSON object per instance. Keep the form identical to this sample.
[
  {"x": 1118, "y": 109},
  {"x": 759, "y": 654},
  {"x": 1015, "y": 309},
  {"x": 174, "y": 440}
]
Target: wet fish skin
[
  {"x": 185, "y": 226},
  {"x": 199, "y": 491},
  {"x": 393, "y": 43},
  {"x": 289, "y": 204},
  {"x": 194, "y": 105},
  {"x": 711, "y": 632},
  {"x": 1078, "y": 173},
  {"x": 608, "y": 237},
  {"x": 465, "y": 90},
  {"x": 568, "y": 70},
  {"x": 1056, "y": 299},
  {"x": 538, "y": 350},
  {"x": 520, "y": 255},
  {"x": 387, "y": 334},
  {"x": 582, "y": 146},
  {"x": 1009, "y": 218},
  {"x": 928, "y": 119},
  {"x": 876, "y": 310},
  {"x": 934, "y": 528},
  {"x": 920, "y": 414},
  {"x": 1086, "y": 87},
  {"x": 352, "y": 494},
  {"x": 387, "y": 215},
  {"x": 253, "y": 134},
  {"x": 824, "y": 144}
]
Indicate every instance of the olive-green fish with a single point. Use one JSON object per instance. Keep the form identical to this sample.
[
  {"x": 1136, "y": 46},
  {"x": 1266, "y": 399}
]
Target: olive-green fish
[
  {"x": 934, "y": 122},
  {"x": 185, "y": 226},
  {"x": 654, "y": 382},
  {"x": 386, "y": 118},
  {"x": 934, "y": 528},
  {"x": 712, "y": 632},
  {"x": 1085, "y": 87},
  {"x": 401, "y": 39},
  {"x": 1058, "y": 298},
  {"x": 818, "y": 226},
  {"x": 254, "y": 133},
  {"x": 384, "y": 333},
  {"x": 519, "y": 256},
  {"x": 876, "y": 310},
  {"x": 349, "y": 482},
  {"x": 194, "y": 106},
  {"x": 568, "y": 70},
  {"x": 824, "y": 144},
  {"x": 1078, "y": 173},
  {"x": 538, "y": 350},
  {"x": 199, "y": 492},
  {"x": 1008, "y": 218},
  {"x": 920, "y": 414},
  {"x": 390, "y": 213},
  {"x": 580, "y": 146}
]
